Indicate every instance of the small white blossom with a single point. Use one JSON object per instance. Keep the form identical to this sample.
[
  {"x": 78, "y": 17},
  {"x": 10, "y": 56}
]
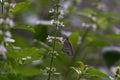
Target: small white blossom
[
  {"x": 60, "y": 39},
  {"x": 6, "y": 4},
  {"x": 1, "y": 20},
  {"x": 8, "y": 34},
  {"x": 52, "y": 11},
  {"x": 52, "y": 21},
  {"x": 12, "y": 5},
  {"x": 111, "y": 78},
  {"x": 61, "y": 14},
  {"x": 53, "y": 69},
  {"x": 10, "y": 22},
  {"x": 28, "y": 57},
  {"x": 24, "y": 59},
  {"x": 16, "y": 47},
  {"x": 50, "y": 38},
  {"x": 94, "y": 27},
  {"x": 58, "y": 23},
  {"x": 3, "y": 51},
  {"x": 93, "y": 18},
  {"x": 9, "y": 40}
]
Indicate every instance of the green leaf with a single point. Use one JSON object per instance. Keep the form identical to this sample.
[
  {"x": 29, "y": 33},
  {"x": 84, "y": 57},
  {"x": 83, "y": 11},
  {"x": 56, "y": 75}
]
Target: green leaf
[
  {"x": 74, "y": 38},
  {"x": 29, "y": 28},
  {"x": 88, "y": 10},
  {"x": 41, "y": 32},
  {"x": 108, "y": 15},
  {"x": 28, "y": 71},
  {"x": 12, "y": 76},
  {"x": 102, "y": 22},
  {"x": 97, "y": 73},
  {"x": 23, "y": 52},
  {"x": 98, "y": 42},
  {"x": 20, "y": 7},
  {"x": 76, "y": 70},
  {"x": 3, "y": 77},
  {"x": 113, "y": 36},
  {"x": 81, "y": 65},
  {"x": 20, "y": 41}
]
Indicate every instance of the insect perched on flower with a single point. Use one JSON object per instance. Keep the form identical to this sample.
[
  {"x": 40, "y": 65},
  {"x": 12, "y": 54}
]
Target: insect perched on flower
[{"x": 67, "y": 48}]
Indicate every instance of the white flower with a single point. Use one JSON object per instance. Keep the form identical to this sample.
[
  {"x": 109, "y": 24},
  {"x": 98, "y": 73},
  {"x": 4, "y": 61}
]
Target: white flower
[
  {"x": 111, "y": 78},
  {"x": 8, "y": 34},
  {"x": 94, "y": 18},
  {"x": 12, "y": 5},
  {"x": 1, "y": 20},
  {"x": 28, "y": 57},
  {"x": 60, "y": 39},
  {"x": 16, "y": 47},
  {"x": 6, "y": 4},
  {"x": 10, "y": 22},
  {"x": 58, "y": 23},
  {"x": 61, "y": 14},
  {"x": 50, "y": 38},
  {"x": 52, "y": 11},
  {"x": 52, "y": 21},
  {"x": 24, "y": 59},
  {"x": 3, "y": 51},
  {"x": 9, "y": 40}
]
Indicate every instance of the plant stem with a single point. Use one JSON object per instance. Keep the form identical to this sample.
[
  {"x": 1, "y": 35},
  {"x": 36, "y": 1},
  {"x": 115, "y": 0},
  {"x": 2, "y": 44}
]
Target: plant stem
[
  {"x": 52, "y": 57},
  {"x": 54, "y": 42}
]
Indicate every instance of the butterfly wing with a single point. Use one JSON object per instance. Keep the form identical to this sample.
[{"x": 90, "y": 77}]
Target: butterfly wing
[{"x": 67, "y": 48}]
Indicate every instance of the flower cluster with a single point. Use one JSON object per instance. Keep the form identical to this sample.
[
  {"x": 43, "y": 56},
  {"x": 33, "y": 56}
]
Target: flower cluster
[
  {"x": 6, "y": 23},
  {"x": 51, "y": 38},
  {"x": 116, "y": 73},
  {"x": 57, "y": 16},
  {"x": 47, "y": 70}
]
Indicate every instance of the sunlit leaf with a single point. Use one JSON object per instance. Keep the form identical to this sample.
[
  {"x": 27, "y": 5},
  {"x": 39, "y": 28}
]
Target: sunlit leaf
[
  {"x": 113, "y": 37},
  {"x": 29, "y": 28},
  {"x": 20, "y": 7},
  {"x": 74, "y": 38},
  {"x": 88, "y": 10},
  {"x": 99, "y": 43},
  {"x": 28, "y": 71},
  {"x": 97, "y": 73}
]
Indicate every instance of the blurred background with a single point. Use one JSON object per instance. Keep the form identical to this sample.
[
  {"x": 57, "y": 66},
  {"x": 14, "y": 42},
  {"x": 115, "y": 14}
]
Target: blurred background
[{"x": 92, "y": 27}]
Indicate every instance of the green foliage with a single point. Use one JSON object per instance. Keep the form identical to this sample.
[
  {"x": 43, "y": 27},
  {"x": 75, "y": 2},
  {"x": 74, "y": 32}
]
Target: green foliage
[
  {"x": 83, "y": 71},
  {"x": 29, "y": 28},
  {"x": 20, "y": 7},
  {"x": 74, "y": 38},
  {"x": 97, "y": 73},
  {"x": 41, "y": 32},
  {"x": 34, "y": 57},
  {"x": 28, "y": 71}
]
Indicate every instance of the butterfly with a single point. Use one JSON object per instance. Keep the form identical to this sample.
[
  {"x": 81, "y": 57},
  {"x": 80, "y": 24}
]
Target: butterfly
[{"x": 67, "y": 48}]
